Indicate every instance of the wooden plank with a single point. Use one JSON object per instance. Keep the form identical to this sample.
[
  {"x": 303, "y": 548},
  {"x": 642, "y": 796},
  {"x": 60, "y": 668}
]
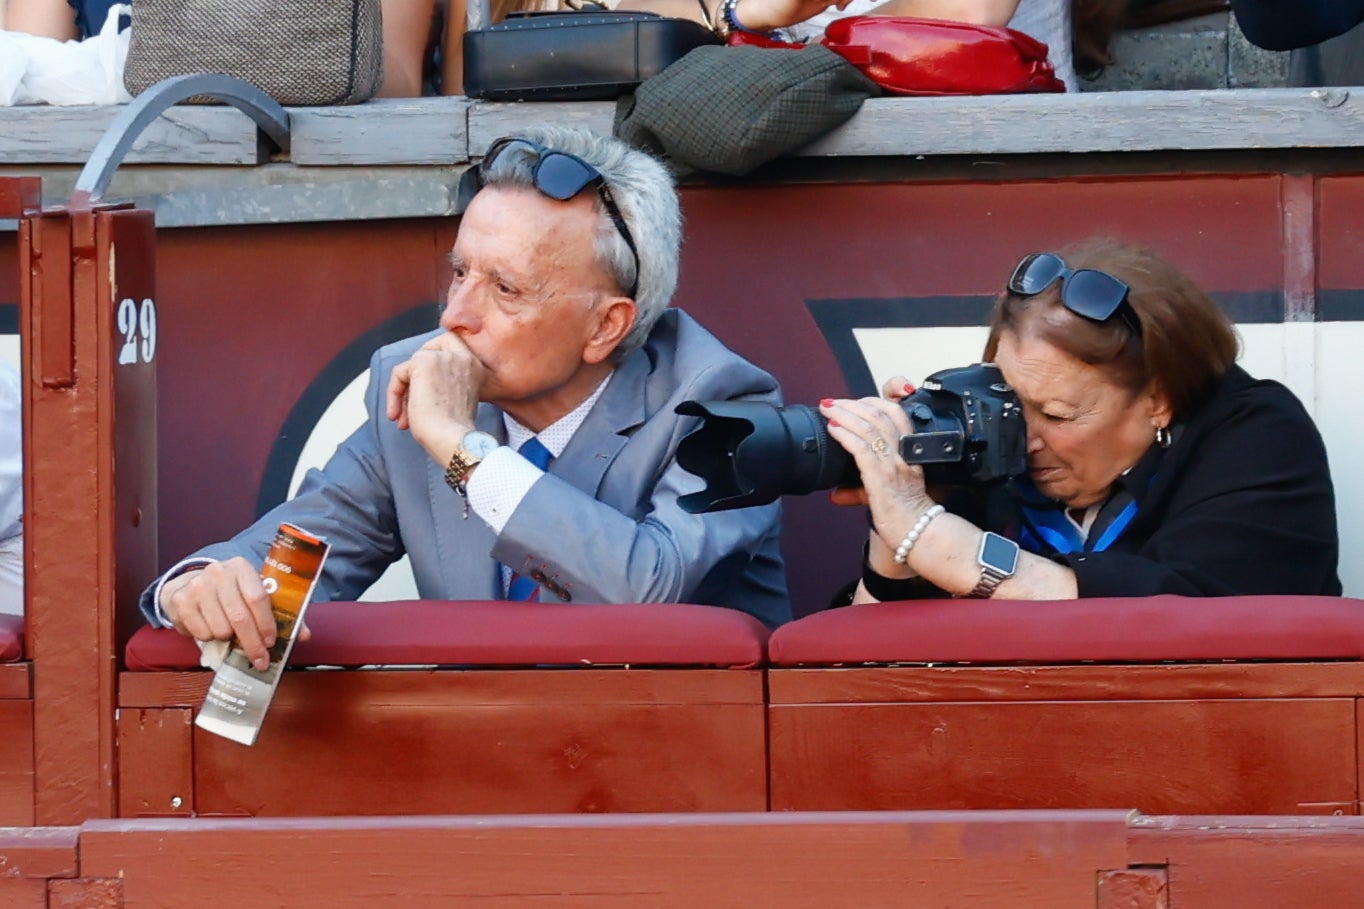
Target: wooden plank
[
  {"x": 1299, "y": 247},
  {"x": 1359, "y": 751},
  {"x": 18, "y": 195},
  {"x": 90, "y": 514},
  {"x": 427, "y": 130},
  {"x": 469, "y": 688},
  {"x": 899, "y": 684},
  {"x": 23, "y": 894},
  {"x": 16, "y": 681},
  {"x": 1100, "y": 121},
  {"x": 155, "y": 762},
  {"x": 85, "y": 893},
  {"x": 432, "y": 131},
  {"x": 1022, "y": 124},
  {"x": 520, "y": 740},
  {"x": 1204, "y": 757},
  {"x": 1340, "y": 231},
  {"x": 1234, "y": 863},
  {"x": 985, "y": 860},
  {"x": 490, "y": 121},
  {"x": 183, "y": 135},
  {"x": 368, "y": 757},
  {"x": 162, "y": 689},
  {"x": 16, "y": 764},
  {"x": 38, "y": 853},
  {"x": 1134, "y": 888}
]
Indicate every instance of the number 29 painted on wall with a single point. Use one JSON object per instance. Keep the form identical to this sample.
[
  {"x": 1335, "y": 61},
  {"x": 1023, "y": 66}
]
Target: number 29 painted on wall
[{"x": 137, "y": 325}]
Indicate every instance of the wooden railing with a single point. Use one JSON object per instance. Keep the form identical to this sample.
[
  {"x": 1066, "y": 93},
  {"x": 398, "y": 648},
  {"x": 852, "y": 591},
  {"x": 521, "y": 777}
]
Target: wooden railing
[{"x": 986, "y": 860}]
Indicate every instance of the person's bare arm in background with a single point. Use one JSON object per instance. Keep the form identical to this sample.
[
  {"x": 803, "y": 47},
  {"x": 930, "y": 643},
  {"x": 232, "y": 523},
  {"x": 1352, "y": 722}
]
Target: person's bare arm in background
[
  {"x": 45, "y": 18},
  {"x": 763, "y": 15},
  {"x": 407, "y": 34}
]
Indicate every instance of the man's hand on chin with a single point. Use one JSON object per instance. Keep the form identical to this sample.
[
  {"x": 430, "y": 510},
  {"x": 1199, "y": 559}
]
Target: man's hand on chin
[{"x": 434, "y": 394}]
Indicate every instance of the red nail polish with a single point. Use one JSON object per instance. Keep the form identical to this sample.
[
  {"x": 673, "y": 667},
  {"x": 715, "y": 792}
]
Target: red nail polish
[
  {"x": 909, "y": 389},
  {"x": 833, "y": 422},
  {"x": 826, "y": 402}
]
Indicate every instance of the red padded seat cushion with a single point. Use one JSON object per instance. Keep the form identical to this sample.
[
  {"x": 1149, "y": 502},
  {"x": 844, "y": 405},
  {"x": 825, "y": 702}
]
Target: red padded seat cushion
[
  {"x": 11, "y": 638},
  {"x": 1104, "y": 630},
  {"x": 487, "y": 633}
]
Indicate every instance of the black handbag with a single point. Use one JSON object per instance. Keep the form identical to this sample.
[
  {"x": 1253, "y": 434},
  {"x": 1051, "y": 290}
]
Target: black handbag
[{"x": 574, "y": 56}]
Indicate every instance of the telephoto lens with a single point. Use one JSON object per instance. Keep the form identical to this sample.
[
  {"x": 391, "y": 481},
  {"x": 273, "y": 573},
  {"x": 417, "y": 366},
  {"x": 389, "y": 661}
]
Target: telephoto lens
[{"x": 968, "y": 430}]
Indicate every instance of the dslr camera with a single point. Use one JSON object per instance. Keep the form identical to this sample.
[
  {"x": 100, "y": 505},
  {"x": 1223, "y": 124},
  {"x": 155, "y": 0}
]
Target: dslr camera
[{"x": 968, "y": 431}]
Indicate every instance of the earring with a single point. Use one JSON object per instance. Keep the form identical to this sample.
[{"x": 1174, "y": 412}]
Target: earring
[{"x": 1163, "y": 436}]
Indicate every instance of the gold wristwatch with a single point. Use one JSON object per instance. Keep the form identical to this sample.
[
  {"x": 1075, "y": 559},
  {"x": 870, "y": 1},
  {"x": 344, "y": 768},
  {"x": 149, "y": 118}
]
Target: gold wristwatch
[{"x": 473, "y": 448}]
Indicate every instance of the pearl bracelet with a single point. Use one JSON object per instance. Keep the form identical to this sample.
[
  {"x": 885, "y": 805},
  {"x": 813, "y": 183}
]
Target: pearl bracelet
[{"x": 902, "y": 551}]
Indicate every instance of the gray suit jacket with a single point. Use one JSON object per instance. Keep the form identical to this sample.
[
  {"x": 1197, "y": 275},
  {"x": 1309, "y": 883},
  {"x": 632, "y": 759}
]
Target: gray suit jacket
[{"x": 603, "y": 525}]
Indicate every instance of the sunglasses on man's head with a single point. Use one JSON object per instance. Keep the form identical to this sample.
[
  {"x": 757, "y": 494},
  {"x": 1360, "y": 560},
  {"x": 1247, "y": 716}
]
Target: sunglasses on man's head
[
  {"x": 1087, "y": 292},
  {"x": 559, "y": 176}
]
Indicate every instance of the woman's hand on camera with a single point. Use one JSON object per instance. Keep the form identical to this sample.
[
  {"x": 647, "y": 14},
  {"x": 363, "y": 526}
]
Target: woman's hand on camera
[
  {"x": 896, "y": 389},
  {"x": 870, "y": 429}
]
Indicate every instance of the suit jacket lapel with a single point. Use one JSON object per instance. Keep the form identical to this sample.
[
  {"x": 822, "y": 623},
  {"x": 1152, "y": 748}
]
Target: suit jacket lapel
[{"x": 621, "y": 408}]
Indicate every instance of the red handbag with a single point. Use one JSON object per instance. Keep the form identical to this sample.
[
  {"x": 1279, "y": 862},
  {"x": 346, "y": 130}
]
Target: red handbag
[{"x": 908, "y": 56}]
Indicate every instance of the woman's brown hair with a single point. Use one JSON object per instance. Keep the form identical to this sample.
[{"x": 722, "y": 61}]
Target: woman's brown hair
[{"x": 1185, "y": 345}]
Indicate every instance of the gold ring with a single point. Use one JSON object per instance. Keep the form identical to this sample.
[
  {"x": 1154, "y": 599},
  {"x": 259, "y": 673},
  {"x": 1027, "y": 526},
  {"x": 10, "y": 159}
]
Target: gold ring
[{"x": 879, "y": 446}]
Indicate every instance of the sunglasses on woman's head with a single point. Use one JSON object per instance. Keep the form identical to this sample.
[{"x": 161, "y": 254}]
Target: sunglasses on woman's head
[
  {"x": 558, "y": 175},
  {"x": 1087, "y": 292}
]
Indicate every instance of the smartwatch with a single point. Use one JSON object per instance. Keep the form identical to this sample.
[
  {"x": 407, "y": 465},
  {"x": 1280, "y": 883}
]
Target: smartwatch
[
  {"x": 998, "y": 559},
  {"x": 473, "y": 448}
]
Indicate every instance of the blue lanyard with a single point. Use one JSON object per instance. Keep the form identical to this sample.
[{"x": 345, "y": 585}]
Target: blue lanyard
[{"x": 1050, "y": 527}]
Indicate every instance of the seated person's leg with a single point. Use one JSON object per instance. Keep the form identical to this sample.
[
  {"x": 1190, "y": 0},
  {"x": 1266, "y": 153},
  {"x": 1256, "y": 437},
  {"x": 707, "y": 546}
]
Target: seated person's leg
[
  {"x": 769, "y": 14},
  {"x": 976, "y": 12},
  {"x": 677, "y": 9},
  {"x": 456, "y": 16},
  {"x": 407, "y": 33},
  {"x": 452, "y": 48},
  {"x": 45, "y": 18}
]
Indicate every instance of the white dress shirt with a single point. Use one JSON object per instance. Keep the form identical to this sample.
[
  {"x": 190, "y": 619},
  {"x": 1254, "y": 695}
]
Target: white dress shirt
[{"x": 503, "y": 478}]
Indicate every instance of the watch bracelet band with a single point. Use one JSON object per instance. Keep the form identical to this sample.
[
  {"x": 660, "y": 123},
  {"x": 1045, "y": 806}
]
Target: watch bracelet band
[
  {"x": 458, "y": 470},
  {"x": 990, "y": 579}
]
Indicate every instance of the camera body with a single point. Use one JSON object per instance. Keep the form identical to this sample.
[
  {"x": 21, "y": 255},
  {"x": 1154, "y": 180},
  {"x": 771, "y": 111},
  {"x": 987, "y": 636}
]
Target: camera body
[
  {"x": 968, "y": 430},
  {"x": 968, "y": 427}
]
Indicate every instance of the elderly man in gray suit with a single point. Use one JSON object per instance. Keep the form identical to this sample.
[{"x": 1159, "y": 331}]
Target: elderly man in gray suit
[{"x": 527, "y": 449}]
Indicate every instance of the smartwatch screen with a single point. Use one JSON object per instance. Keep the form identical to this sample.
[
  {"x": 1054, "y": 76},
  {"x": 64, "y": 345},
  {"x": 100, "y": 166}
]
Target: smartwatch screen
[{"x": 999, "y": 552}]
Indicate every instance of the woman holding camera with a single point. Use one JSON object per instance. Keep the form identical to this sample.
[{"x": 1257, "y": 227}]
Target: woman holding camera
[{"x": 1155, "y": 463}]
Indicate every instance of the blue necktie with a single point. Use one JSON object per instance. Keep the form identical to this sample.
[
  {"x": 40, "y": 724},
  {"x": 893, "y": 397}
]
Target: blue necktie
[{"x": 526, "y": 589}]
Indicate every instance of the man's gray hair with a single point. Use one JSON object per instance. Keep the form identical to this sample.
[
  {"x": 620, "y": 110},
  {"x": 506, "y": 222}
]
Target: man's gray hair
[{"x": 643, "y": 191}]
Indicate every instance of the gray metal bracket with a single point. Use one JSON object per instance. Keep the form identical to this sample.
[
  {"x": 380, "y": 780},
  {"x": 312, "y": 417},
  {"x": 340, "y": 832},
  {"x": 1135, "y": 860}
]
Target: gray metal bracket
[{"x": 269, "y": 117}]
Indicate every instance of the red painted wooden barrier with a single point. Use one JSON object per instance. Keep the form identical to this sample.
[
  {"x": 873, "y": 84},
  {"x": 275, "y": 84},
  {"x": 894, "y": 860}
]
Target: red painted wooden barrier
[
  {"x": 18, "y": 195},
  {"x": 33, "y": 861},
  {"x": 983, "y": 860},
  {"x": 88, "y": 312},
  {"x": 453, "y": 742},
  {"x": 928, "y": 860}
]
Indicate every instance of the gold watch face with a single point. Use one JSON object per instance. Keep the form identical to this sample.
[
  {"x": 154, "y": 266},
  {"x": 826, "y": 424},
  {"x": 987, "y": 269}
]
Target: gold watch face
[{"x": 473, "y": 448}]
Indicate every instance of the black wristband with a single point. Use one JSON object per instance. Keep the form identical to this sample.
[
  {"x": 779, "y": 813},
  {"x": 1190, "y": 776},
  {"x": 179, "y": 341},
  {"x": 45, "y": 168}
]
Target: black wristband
[{"x": 884, "y": 588}]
